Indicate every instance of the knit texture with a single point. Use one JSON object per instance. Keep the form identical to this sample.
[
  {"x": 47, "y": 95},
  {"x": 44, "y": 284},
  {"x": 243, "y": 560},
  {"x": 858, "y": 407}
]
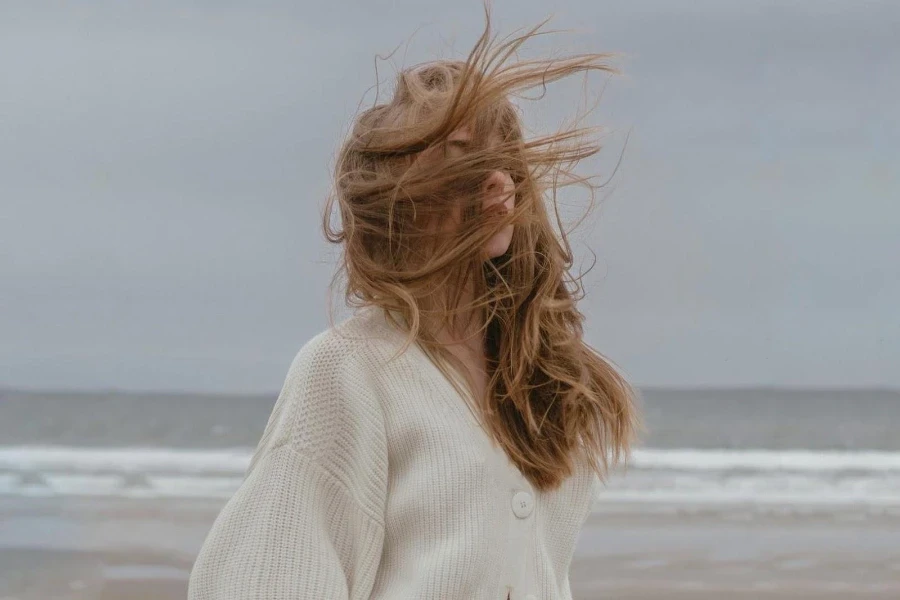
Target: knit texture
[{"x": 374, "y": 480}]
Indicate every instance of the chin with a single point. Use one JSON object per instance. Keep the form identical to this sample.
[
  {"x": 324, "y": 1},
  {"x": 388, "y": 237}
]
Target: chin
[{"x": 499, "y": 244}]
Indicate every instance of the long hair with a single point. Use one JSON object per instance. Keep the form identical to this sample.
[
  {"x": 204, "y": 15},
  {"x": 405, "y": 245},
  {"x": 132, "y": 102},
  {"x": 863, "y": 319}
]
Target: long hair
[{"x": 551, "y": 398}]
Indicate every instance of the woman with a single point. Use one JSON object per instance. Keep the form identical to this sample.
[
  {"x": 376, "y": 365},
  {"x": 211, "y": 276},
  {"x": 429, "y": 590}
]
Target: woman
[{"x": 447, "y": 439}]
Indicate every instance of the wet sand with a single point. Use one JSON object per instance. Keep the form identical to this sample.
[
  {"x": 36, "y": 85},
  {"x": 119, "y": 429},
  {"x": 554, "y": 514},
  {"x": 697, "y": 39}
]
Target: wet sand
[
  {"x": 709, "y": 554},
  {"x": 115, "y": 550}
]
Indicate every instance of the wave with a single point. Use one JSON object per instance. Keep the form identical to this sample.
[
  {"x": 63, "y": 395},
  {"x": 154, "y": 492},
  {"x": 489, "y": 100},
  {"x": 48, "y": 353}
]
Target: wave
[
  {"x": 654, "y": 475},
  {"x": 236, "y": 460},
  {"x": 767, "y": 460},
  {"x": 124, "y": 460}
]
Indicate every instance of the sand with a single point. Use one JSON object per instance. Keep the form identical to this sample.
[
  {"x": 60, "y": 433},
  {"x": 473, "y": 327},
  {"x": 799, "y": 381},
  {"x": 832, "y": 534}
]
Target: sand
[{"x": 115, "y": 550}]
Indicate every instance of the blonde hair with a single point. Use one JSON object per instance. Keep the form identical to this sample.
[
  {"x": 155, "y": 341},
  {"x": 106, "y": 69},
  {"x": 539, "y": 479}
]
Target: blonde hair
[{"x": 551, "y": 399}]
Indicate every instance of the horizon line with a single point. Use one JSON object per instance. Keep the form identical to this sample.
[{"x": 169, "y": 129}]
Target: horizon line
[{"x": 274, "y": 393}]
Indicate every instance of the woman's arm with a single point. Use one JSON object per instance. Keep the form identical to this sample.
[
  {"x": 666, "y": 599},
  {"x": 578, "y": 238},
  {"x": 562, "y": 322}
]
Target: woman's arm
[{"x": 307, "y": 522}]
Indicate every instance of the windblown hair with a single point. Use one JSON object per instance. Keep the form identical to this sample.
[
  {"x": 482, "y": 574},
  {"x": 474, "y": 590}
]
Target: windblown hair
[{"x": 551, "y": 398}]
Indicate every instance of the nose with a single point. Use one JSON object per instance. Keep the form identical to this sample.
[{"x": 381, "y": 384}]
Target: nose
[{"x": 498, "y": 189}]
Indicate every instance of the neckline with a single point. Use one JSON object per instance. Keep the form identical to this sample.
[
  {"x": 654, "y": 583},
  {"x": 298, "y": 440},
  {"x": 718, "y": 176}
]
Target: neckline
[
  {"x": 449, "y": 377},
  {"x": 491, "y": 449}
]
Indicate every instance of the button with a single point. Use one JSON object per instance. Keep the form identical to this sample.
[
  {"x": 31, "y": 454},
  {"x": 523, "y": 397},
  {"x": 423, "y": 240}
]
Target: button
[{"x": 522, "y": 504}]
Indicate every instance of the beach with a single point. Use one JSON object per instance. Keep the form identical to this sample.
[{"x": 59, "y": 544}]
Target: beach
[
  {"x": 738, "y": 495},
  {"x": 136, "y": 549},
  {"x": 712, "y": 554}
]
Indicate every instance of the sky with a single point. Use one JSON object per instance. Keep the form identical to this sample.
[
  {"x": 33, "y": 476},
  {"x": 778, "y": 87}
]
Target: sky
[{"x": 163, "y": 168}]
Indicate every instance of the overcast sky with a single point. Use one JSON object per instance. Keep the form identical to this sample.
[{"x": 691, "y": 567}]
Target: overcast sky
[{"x": 163, "y": 167}]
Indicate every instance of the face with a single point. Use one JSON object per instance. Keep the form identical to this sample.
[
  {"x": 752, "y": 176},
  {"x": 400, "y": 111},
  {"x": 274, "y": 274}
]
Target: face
[{"x": 497, "y": 194}]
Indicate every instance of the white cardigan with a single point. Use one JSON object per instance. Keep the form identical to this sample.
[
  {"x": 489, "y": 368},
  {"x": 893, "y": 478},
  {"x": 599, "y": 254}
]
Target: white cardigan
[{"x": 374, "y": 480}]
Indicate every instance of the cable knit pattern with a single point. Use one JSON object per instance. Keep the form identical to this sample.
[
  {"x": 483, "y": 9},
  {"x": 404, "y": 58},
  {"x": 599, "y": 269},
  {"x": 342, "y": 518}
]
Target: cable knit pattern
[{"x": 374, "y": 480}]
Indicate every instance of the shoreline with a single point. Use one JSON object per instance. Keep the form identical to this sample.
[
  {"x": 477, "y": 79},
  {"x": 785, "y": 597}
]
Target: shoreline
[{"x": 115, "y": 549}]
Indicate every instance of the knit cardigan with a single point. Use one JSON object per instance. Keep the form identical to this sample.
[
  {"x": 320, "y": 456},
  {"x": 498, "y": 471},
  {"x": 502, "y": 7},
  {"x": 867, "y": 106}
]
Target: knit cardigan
[{"x": 373, "y": 479}]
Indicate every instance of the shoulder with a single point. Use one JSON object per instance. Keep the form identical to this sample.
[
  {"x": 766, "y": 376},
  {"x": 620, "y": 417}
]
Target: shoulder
[
  {"x": 329, "y": 410},
  {"x": 330, "y": 392},
  {"x": 323, "y": 359},
  {"x": 350, "y": 352},
  {"x": 332, "y": 367},
  {"x": 341, "y": 379},
  {"x": 339, "y": 383}
]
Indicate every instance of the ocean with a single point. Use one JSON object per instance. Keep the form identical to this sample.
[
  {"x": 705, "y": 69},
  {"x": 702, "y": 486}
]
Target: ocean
[{"x": 717, "y": 447}]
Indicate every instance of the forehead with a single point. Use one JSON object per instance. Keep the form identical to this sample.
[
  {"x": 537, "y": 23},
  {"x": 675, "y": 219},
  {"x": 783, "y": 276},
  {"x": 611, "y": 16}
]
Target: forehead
[
  {"x": 464, "y": 134},
  {"x": 458, "y": 141}
]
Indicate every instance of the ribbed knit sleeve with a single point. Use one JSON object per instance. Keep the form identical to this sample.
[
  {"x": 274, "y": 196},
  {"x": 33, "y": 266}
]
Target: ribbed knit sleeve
[{"x": 308, "y": 520}]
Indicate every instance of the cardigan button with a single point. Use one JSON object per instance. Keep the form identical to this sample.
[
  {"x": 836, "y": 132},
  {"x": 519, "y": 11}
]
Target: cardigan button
[{"x": 522, "y": 504}]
